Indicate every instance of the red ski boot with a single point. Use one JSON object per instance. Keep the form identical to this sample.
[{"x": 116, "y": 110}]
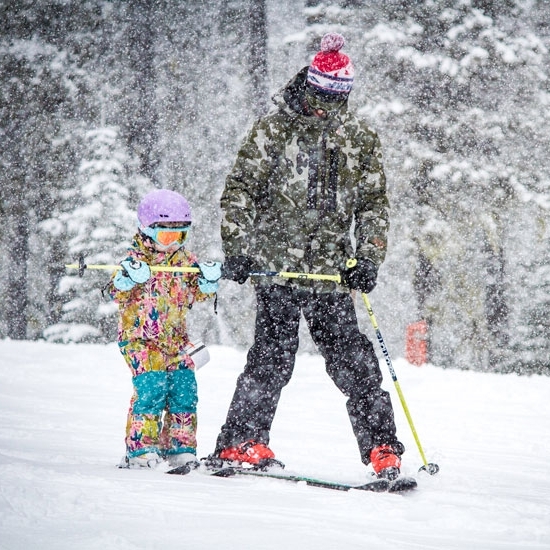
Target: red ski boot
[
  {"x": 385, "y": 462},
  {"x": 258, "y": 455}
]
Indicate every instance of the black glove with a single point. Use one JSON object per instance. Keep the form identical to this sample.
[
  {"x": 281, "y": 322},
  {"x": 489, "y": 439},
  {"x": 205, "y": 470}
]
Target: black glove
[
  {"x": 362, "y": 276},
  {"x": 237, "y": 268}
]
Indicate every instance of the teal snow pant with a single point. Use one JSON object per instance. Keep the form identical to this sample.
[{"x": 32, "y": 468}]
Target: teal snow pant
[{"x": 163, "y": 410}]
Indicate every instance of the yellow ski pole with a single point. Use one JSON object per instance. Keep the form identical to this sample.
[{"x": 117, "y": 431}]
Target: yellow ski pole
[
  {"x": 293, "y": 275},
  {"x": 82, "y": 266},
  {"x": 431, "y": 468}
]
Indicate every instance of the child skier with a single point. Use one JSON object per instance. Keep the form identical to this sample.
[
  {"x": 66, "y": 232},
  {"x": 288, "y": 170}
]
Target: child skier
[{"x": 152, "y": 333}]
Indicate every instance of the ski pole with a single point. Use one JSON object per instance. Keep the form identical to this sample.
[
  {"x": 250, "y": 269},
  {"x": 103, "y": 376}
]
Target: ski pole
[
  {"x": 293, "y": 275},
  {"x": 82, "y": 266},
  {"x": 431, "y": 468}
]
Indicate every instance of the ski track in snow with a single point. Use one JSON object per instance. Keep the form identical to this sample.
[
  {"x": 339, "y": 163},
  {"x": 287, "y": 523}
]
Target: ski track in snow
[{"x": 62, "y": 417}]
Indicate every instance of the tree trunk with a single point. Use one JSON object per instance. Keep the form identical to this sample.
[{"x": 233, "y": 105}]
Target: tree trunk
[
  {"x": 15, "y": 304},
  {"x": 258, "y": 56},
  {"x": 142, "y": 112},
  {"x": 496, "y": 308},
  {"x": 55, "y": 273}
]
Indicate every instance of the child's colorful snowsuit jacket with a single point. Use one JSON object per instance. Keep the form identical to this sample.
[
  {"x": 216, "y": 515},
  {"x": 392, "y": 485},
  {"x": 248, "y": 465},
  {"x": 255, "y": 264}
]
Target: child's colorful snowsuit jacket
[{"x": 152, "y": 335}]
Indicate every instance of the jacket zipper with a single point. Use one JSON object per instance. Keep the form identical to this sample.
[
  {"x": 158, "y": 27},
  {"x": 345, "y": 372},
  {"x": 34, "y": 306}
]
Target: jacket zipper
[{"x": 318, "y": 195}]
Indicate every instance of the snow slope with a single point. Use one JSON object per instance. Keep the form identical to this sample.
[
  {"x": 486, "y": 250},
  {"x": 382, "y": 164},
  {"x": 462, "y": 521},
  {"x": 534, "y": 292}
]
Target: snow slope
[{"x": 62, "y": 415}]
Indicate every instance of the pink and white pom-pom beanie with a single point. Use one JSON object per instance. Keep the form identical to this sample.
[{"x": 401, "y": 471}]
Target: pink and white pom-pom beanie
[{"x": 331, "y": 72}]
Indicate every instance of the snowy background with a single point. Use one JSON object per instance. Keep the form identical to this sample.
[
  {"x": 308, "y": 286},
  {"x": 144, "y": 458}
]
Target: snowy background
[
  {"x": 101, "y": 101},
  {"x": 62, "y": 417}
]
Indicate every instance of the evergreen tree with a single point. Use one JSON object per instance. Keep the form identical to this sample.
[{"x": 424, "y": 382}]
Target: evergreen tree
[
  {"x": 48, "y": 99},
  {"x": 447, "y": 76},
  {"x": 99, "y": 221},
  {"x": 531, "y": 339},
  {"x": 141, "y": 22},
  {"x": 34, "y": 96},
  {"x": 205, "y": 103}
]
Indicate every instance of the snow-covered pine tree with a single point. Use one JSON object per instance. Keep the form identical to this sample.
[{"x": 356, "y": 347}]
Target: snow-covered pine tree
[
  {"x": 48, "y": 95},
  {"x": 530, "y": 291},
  {"x": 530, "y": 341},
  {"x": 35, "y": 98},
  {"x": 450, "y": 84},
  {"x": 99, "y": 221}
]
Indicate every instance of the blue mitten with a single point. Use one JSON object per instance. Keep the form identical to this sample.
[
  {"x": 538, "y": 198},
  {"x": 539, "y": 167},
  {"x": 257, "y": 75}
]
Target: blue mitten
[
  {"x": 122, "y": 281},
  {"x": 138, "y": 271},
  {"x": 210, "y": 274}
]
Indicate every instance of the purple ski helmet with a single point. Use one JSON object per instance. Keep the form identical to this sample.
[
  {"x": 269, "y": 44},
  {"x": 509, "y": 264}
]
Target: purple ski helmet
[{"x": 163, "y": 205}]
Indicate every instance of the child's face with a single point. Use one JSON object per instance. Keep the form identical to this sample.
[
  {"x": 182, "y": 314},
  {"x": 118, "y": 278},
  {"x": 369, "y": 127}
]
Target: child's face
[{"x": 166, "y": 248}]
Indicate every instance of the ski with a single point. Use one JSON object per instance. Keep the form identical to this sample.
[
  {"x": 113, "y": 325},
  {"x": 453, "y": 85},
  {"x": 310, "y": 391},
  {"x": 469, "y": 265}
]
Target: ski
[{"x": 376, "y": 485}]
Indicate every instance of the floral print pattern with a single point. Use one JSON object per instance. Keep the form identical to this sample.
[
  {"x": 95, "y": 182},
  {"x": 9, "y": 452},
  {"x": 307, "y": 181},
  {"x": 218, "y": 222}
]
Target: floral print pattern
[{"x": 152, "y": 335}]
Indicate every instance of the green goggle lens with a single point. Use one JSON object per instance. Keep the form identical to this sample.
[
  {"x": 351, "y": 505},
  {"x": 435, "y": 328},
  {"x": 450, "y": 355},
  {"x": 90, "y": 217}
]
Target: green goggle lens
[{"x": 327, "y": 106}]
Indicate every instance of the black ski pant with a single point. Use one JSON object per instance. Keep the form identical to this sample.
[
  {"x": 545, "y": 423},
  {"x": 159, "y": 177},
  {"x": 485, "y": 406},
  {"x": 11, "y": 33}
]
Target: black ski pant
[{"x": 349, "y": 357}]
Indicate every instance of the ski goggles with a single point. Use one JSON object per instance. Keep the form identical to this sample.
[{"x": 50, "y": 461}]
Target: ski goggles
[
  {"x": 330, "y": 106},
  {"x": 167, "y": 236}
]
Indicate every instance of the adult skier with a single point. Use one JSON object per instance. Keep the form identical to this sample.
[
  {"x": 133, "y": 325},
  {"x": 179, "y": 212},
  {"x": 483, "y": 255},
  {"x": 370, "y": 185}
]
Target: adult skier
[{"x": 306, "y": 174}]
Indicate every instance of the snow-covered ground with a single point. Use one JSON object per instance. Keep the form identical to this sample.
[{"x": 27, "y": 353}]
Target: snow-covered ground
[{"x": 62, "y": 416}]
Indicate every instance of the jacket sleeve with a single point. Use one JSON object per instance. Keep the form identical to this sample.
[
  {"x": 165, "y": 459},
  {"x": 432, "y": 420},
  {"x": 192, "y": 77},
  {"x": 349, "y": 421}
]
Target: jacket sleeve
[
  {"x": 243, "y": 190},
  {"x": 372, "y": 207}
]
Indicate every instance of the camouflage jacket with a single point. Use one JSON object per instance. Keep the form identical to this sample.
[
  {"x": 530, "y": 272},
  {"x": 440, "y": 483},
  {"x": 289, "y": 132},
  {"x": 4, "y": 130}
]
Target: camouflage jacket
[{"x": 299, "y": 186}]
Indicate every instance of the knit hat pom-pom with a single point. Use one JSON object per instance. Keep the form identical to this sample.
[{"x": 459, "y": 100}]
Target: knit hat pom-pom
[{"x": 332, "y": 42}]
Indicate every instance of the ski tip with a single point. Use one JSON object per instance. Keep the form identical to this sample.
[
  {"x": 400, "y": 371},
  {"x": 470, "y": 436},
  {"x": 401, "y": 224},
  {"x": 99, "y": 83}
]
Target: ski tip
[
  {"x": 376, "y": 486},
  {"x": 224, "y": 472},
  {"x": 180, "y": 470},
  {"x": 402, "y": 485}
]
